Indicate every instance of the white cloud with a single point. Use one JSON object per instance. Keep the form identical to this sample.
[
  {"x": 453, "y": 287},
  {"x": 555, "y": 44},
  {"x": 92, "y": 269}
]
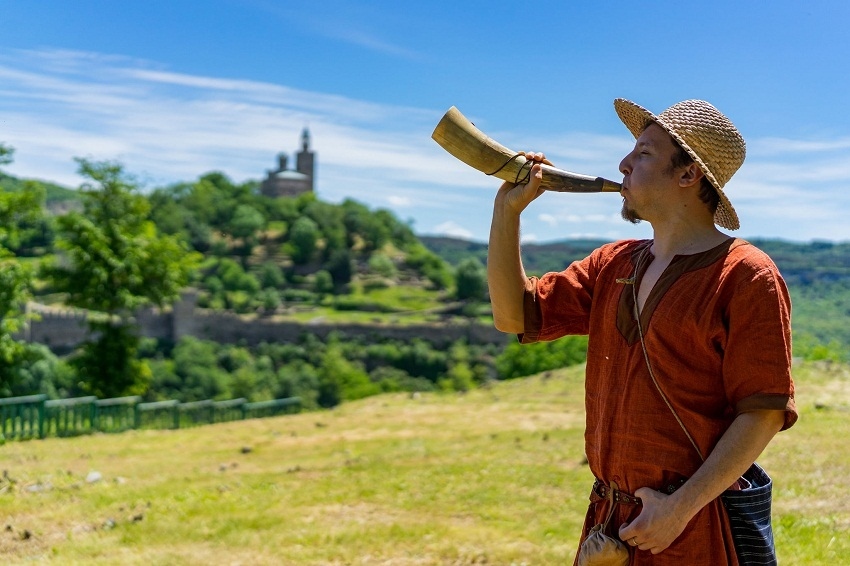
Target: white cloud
[
  {"x": 548, "y": 219},
  {"x": 777, "y": 146},
  {"x": 452, "y": 229},
  {"x": 399, "y": 201}
]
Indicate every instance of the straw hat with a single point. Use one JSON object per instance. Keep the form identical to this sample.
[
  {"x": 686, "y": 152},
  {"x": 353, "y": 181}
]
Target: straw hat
[{"x": 707, "y": 135}]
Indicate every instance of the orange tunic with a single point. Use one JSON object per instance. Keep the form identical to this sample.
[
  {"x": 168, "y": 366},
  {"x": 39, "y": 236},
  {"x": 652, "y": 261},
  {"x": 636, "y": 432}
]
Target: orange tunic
[{"x": 717, "y": 329}]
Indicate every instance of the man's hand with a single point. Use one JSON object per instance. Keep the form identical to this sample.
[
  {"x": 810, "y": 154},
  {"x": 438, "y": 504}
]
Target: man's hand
[
  {"x": 658, "y": 524},
  {"x": 518, "y": 197}
]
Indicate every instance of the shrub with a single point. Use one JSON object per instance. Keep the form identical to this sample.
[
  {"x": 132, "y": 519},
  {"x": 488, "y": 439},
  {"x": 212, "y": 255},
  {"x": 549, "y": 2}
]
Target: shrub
[{"x": 519, "y": 360}]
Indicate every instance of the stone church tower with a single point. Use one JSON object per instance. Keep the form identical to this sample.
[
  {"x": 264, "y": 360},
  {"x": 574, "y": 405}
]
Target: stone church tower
[{"x": 287, "y": 183}]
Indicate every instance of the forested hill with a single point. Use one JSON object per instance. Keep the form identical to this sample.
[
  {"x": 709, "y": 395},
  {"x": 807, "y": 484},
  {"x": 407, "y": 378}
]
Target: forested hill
[
  {"x": 817, "y": 273},
  {"x": 800, "y": 263},
  {"x": 53, "y": 193}
]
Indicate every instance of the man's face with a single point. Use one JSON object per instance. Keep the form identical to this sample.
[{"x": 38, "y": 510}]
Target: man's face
[{"x": 647, "y": 177}]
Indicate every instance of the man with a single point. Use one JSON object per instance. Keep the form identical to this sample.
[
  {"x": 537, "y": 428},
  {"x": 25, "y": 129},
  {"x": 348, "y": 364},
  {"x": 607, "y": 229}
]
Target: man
[{"x": 715, "y": 318}]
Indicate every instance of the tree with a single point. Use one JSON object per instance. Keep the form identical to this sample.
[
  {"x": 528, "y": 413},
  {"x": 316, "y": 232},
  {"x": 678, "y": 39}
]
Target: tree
[
  {"x": 16, "y": 209},
  {"x": 429, "y": 264},
  {"x": 6, "y": 152},
  {"x": 303, "y": 238},
  {"x": 339, "y": 266},
  {"x": 245, "y": 224},
  {"x": 113, "y": 261},
  {"x": 323, "y": 283},
  {"x": 470, "y": 280},
  {"x": 341, "y": 380},
  {"x": 14, "y": 293}
]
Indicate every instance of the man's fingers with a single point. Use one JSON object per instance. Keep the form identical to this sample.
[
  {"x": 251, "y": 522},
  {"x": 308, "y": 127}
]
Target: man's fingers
[{"x": 537, "y": 157}]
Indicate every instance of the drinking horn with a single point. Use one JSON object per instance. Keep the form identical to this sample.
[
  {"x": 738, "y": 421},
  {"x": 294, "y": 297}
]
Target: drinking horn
[{"x": 462, "y": 139}]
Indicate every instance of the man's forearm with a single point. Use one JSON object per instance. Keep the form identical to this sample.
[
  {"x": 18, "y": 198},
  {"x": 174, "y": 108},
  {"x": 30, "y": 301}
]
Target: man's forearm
[
  {"x": 505, "y": 275},
  {"x": 739, "y": 447}
]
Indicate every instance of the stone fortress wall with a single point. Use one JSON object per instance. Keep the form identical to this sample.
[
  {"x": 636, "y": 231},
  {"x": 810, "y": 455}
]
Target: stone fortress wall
[{"x": 63, "y": 329}]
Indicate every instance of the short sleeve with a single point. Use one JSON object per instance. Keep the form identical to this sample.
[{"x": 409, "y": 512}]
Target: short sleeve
[
  {"x": 757, "y": 362},
  {"x": 559, "y": 303}
]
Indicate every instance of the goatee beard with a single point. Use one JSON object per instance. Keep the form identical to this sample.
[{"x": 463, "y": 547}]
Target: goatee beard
[{"x": 629, "y": 214}]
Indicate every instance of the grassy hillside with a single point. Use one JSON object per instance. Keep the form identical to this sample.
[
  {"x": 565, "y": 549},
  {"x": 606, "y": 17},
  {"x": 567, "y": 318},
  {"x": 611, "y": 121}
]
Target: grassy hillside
[{"x": 495, "y": 476}]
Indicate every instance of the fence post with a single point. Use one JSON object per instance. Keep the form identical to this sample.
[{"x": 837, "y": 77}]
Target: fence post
[{"x": 41, "y": 417}]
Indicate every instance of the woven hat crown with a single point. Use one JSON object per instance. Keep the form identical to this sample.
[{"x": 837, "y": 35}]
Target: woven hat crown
[{"x": 708, "y": 136}]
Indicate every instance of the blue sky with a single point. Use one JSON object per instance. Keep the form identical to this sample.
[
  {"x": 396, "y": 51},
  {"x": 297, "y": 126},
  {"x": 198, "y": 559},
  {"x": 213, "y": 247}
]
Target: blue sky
[{"x": 176, "y": 88}]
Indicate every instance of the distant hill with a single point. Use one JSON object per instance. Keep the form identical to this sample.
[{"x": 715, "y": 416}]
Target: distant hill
[
  {"x": 55, "y": 193},
  {"x": 58, "y": 199},
  {"x": 800, "y": 263},
  {"x": 537, "y": 258},
  {"x": 817, "y": 273}
]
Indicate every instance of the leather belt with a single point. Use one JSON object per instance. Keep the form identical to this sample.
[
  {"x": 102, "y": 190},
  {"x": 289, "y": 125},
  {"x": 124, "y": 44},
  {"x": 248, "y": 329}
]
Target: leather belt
[{"x": 602, "y": 491}]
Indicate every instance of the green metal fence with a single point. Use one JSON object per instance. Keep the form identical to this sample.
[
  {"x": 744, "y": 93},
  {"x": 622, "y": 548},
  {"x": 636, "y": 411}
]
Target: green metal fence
[
  {"x": 69, "y": 417},
  {"x": 22, "y": 417},
  {"x": 117, "y": 414},
  {"x": 271, "y": 408},
  {"x": 35, "y": 416}
]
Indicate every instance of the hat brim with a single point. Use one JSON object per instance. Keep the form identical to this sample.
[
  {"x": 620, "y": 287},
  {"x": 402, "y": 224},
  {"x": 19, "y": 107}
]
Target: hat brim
[{"x": 637, "y": 118}]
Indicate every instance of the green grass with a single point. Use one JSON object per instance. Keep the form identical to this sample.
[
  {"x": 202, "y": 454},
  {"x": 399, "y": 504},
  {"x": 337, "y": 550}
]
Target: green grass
[{"x": 496, "y": 476}]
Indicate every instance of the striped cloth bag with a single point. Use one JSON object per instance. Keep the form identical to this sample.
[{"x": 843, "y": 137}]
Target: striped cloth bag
[{"x": 749, "y": 515}]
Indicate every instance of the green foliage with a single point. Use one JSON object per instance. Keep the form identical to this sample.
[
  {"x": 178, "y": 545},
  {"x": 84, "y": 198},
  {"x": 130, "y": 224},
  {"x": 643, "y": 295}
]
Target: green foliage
[
  {"x": 820, "y": 319},
  {"x": 271, "y": 276},
  {"x": 115, "y": 262},
  {"x": 37, "y": 370},
  {"x": 114, "y": 259},
  {"x": 6, "y": 154},
  {"x": 365, "y": 229},
  {"x": 16, "y": 209},
  {"x": 341, "y": 379},
  {"x": 246, "y": 222},
  {"x": 519, "y": 360},
  {"x": 303, "y": 239},
  {"x": 14, "y": 292},
  {"x": 193, "y": 373},
  {"x": 430, "y": 265},
  {"x": 460, "y": 376},
  {"x": 330, "y": 221},
  {"x": 323, "y": 373},
  {"x": 416, "y": 358},
  {"x": 271, "y": 299},
  {"x": 299, "y": 239},
  {"x": 234, "y": 278},
  {"x": 298, "y": 378},
  {"x": 809, "y": 348},
  {"x": 470, "y": 280},
  {"x": 382, "y": 265},
  {"x": 323, "y": 283},
  {"x": 339, "y": 266},
  {"x": 108, "y": 365}
]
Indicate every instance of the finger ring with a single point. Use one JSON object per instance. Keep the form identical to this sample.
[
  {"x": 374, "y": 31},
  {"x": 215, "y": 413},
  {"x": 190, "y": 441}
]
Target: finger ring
[{"x": 634, "y": 541}]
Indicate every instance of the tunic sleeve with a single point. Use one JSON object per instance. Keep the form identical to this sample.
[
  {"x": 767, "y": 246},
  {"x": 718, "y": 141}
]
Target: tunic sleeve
[
  {"x": 757, "y": 361},
  {"x": 558, "y": 304}
]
